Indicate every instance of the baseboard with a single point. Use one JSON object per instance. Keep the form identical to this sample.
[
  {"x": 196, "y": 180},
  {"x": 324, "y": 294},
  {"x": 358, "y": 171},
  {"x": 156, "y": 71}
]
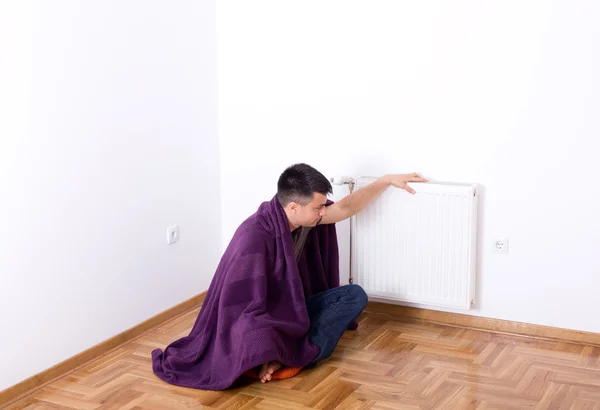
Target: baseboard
[
  {"x": 33, "y": 383},
  {"x": 484, "y": 323}
]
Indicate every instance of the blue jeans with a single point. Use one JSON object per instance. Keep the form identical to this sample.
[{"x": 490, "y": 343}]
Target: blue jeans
[{"x": 330, "y": 313}]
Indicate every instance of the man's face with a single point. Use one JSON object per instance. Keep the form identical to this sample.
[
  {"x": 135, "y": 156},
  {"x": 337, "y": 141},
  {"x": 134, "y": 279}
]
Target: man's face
[{"x": 311, "y": 213}]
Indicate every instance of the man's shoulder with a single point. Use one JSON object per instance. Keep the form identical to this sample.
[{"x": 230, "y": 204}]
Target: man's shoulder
[
  {"x": 254, "y": 228},
  {"x": 259, "y": 229}
]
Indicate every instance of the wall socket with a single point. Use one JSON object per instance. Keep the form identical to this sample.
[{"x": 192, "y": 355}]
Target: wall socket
[
  {"x": 172, "y": 234},
  {"x": 501, "y": 245}
]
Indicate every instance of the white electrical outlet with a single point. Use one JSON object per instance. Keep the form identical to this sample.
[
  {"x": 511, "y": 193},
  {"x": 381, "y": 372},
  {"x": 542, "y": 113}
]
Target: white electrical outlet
[
  {"x": 172, "y": 234},
  {"x": 501, "y": 245}
]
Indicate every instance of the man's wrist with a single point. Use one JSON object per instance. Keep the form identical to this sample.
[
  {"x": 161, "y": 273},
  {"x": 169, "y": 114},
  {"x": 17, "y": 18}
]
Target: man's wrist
[{"x": 386, "y": 180}]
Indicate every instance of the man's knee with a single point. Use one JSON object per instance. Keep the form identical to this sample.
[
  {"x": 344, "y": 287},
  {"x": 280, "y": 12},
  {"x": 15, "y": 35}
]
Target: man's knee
[{"x": 358, "y": 295}]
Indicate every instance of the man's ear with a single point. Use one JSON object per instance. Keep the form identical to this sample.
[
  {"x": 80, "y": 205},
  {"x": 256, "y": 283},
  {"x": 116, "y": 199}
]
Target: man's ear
[{"x": 293, "y": 207}]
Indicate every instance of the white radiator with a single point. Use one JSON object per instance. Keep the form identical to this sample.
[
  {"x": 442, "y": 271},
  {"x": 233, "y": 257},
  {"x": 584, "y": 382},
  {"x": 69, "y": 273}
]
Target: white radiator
[{"x": 417, "y": 248}]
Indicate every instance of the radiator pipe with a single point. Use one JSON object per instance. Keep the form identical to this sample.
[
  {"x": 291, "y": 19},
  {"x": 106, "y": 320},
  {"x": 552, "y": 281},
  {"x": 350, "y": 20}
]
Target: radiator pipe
[{"x": 351, "y": 182}]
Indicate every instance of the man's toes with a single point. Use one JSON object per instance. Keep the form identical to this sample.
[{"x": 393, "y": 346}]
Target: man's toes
[
  {"x": 267, "y": 370},
  {"x": 263, "y": 371}
]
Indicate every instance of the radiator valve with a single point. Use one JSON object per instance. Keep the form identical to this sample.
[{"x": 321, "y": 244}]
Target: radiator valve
[{"x": 343, "y": 181}]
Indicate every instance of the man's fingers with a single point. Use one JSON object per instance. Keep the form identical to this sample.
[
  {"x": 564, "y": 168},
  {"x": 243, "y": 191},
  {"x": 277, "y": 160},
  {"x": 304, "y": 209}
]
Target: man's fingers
[{"x": 415, "y": 177}]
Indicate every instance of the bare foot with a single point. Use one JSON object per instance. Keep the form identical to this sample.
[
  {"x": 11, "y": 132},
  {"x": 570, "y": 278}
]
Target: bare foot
[{"x": 267, "y": 370}]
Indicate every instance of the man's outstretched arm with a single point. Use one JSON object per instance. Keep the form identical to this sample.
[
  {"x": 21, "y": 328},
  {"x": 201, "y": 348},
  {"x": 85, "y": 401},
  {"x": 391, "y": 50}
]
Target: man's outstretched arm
[{"x": 358, "y": 200}]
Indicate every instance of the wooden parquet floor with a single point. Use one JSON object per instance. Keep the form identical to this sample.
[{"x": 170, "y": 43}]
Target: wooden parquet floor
[{"x": 387, "y": 364}]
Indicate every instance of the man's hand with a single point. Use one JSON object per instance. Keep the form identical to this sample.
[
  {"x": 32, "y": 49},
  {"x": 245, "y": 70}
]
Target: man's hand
[{"x": 401, "y": 180}]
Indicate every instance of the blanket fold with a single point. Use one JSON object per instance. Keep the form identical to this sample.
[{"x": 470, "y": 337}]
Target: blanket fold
[{"x": 255, "y": 310}]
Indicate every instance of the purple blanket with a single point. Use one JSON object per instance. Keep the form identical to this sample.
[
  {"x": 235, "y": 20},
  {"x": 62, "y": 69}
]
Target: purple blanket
[{"x": 254, "y": 310}]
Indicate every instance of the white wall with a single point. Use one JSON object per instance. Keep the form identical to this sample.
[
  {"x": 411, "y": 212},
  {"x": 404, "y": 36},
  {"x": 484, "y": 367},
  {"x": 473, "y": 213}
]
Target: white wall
[
  {"x": 108, "y": 134},
  {"x": 503, "y": 94}
]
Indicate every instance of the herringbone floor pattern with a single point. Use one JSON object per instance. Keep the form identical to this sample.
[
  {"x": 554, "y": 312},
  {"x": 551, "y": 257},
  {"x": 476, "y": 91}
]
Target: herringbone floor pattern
[{"x": 387, "y": 364}]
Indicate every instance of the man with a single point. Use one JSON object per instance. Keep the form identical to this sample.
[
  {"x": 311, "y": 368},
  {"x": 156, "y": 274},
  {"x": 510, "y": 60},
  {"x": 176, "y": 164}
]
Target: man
[
  {"x": 302, "y": 192},
  {"x": 275, "y": 298}
]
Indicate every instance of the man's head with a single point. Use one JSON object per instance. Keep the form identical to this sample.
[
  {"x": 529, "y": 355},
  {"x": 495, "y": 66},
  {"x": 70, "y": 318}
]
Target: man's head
[{"x": 302, "y": 192}]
